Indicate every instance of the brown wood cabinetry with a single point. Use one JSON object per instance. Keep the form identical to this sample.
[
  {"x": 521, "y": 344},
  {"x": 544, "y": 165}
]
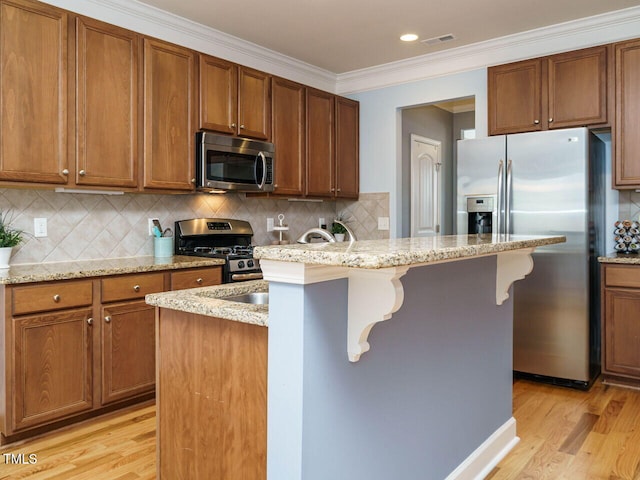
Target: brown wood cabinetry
[
  {"x": 347, "y": 148},
  {"x": 34, "y": 79},
  {"x": 627, "y": 134},
  {"x": 234, "y": 100},
  {"x": 621, "y": 323},
  {"x": 107, "y": 103},
  {"x": 289, "y": 136},
  {"x": 169, "y": 116},
  {"x": 201, "y": 402},
  {"x": 73, "y": 348},
  {"x": 321, "y": 145},
  {"x": 560, "y": 91}
]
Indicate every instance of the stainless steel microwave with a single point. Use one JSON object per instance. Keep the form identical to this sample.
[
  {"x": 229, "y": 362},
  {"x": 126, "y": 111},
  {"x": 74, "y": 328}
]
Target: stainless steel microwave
[{"x": 232, "y": 163}]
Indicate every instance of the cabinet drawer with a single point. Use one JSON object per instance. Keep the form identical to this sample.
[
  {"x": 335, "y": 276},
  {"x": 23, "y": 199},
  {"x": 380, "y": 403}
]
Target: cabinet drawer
[
  {"x": 200, "y": 277},
  {"x": 623, "y": 276},
  {"x": 52, "y": 296},
  {"x": 131, "y": 286}
]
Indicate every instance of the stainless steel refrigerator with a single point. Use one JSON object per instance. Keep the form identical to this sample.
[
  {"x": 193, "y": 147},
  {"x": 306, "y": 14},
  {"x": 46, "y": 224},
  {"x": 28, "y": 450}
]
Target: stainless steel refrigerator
[{"x": 549, "y": 182}]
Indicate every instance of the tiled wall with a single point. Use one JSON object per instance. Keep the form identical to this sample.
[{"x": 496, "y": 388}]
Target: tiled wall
[
  {"x": 629, "y": 205},
  {"x": 89, "y": 226}
]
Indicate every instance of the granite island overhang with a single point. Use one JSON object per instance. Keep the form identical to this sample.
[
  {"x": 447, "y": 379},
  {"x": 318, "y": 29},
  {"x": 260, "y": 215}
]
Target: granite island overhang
[{"x": 432, "y": 397}]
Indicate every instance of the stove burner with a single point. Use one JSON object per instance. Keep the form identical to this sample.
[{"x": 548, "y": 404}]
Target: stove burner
[{"x": 243, "y": 250}]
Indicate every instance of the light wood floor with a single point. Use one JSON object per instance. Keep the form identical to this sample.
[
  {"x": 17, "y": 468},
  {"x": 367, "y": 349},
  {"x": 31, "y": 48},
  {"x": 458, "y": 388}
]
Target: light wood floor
[{"x": 565, "y": 435}]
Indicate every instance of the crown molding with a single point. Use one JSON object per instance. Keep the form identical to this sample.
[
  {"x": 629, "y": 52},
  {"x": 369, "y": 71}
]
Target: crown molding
[
  {"x": 151, "y": 21},
  {"x": 576, "y": 34}
]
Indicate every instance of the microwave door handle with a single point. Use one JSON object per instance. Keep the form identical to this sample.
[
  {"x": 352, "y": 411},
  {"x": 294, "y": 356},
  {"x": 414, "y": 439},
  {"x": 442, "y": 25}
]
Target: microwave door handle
[{"x": 264, "y": 171}]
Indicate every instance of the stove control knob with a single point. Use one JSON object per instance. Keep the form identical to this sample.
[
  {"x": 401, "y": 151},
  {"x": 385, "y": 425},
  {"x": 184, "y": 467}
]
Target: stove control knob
[
  {"x": 240, "y": 264},
  {"x": 250, "y": 263}
]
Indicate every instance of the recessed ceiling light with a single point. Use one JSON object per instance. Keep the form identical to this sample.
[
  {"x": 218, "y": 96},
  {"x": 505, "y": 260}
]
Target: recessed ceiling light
[{"x": 409, "y": 37}]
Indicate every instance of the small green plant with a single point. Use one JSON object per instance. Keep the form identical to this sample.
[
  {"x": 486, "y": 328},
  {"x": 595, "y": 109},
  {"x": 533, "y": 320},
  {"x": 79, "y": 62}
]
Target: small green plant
[
  {"x": 337, "y": 228},
  {"x": 9, "y": 236}
]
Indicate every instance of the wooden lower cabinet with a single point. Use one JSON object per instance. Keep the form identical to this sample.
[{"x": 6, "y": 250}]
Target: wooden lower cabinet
[
  {"x": 52, "y": 366},
  {"x": 211, "y": 398},
  {"x": 621, "y": 324},
  {"x": 128, "y": 350},
  {"x": 75, "y": 348}
]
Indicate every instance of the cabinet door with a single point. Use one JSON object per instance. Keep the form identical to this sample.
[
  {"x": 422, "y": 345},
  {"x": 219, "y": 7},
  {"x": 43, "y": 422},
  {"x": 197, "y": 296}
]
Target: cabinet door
[
  {"x": 33, "y": 92},
  {"x": 288, "y": 136},
  {"x": 254, "y": 104},
  {"x": 107, "y": 105},
  {"x": 627, "y": 136},
  {"x": 347, "y": 148},
  {"x": 515, "y": 97},
  {"x": 52, "y": 367},
  {"x": 218, "y": 95},
  {"x": 577, "y": 83},
  {"x": 196, "y": 277},
  {"x": 128, "y": 350},
  {"x": 169, "y": 132},
  {"x": 622, "y": 332},
  {"x": 321, "y": 154}
]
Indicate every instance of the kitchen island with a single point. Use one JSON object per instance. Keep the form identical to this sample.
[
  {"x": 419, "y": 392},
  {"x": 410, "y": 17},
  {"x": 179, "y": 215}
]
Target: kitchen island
[{"x": 387, "y": 358}]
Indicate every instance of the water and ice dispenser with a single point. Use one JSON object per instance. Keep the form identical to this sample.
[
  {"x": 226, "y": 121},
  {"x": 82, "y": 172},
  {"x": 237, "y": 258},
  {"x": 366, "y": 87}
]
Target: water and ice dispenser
[{"x": 480, "y": 214}]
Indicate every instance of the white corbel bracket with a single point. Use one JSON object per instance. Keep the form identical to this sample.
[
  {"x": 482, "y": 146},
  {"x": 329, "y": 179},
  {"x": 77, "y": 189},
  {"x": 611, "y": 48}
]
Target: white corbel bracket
[
  {"x": 511, "y": 266},
  {"x": 374, "y": 295}
]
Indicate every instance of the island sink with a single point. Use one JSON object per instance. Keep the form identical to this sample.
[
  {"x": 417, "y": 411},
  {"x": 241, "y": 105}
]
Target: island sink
[{"x": 255, "y": 298}]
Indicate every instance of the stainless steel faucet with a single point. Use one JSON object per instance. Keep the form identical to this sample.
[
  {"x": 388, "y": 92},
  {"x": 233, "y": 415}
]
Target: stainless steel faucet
[{"x": 304, "y": 238}]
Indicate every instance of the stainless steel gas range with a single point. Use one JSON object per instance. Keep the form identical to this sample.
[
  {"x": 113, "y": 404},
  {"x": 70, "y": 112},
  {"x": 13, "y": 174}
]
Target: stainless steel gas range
[{"x": 220, "y": 238}]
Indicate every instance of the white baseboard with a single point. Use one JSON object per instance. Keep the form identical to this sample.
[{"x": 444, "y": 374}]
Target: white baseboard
[{"x": 480, "y": 463}]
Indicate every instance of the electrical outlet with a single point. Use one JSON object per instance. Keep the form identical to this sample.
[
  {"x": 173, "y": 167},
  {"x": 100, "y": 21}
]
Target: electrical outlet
[
  {"x": 269, "y": 224},
  {"x": 383, "y": 223},
  {"x": 39, "y": 227},
  {"x": 150, "y": 220},
  {"x": 321, "y": 222}
]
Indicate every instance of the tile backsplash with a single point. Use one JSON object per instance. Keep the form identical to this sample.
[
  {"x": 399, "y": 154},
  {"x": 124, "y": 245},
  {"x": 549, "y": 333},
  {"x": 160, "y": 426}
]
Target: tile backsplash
[
  {"x": 91, "y": 226},
  {"x": 629, "y": 205}
]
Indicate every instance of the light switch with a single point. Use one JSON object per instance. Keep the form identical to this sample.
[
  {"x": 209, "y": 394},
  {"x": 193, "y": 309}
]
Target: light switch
[
  {"x": 383, "y": 223},
  {"x": 39, "y": 227}
]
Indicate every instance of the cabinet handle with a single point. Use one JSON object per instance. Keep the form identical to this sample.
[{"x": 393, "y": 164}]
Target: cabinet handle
[
  {"x": 65, "y": 171},
  {"x": 199, "y": 281},
  {"x": 89, "y": 321},
  {"x": 536, "y": 122},
  {"x": 56, "y": 298},
  {"x": 136, "y": 288},
  {"x": 338, "y": 190},
  {"x": 107, "y": 319},
  {"x": 233, "y": 125},
  {"x": 82, "y": 173},
  {"x": 550, "y": 120},
  {"x": 193, "y": 180},
  {"x": 241, "y": 127}
]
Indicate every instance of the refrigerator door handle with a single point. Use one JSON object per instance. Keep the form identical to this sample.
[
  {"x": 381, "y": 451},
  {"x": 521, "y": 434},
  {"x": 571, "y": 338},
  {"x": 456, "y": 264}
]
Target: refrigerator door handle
[
  {"x": 507, "y": 208},
  {"x": 500, "y": 192}
]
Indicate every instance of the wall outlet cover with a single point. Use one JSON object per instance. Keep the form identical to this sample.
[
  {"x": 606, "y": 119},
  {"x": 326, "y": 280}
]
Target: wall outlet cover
[
  {"x": 383, "y": 223},
  {"x": 39, "y": 227},
  {"x": 150, "y": 220}
]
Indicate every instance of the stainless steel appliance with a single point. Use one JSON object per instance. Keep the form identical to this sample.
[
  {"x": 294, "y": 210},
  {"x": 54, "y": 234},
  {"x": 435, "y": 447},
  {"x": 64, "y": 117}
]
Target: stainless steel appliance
[
  {"x": 232, "y": 163},
  {"x": 480, "y": 214},
  {"x": 549, "y": 182},
  {"x": 220, "y": 238}
]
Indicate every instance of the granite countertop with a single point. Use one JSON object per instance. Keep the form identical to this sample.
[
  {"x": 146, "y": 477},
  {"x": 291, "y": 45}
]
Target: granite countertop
[
  {"x": 207, "y": 301},
  {"x": 401, "y": 251},
  {"x": 626, "y": 258},
  {"x": 44, "y": 272}
]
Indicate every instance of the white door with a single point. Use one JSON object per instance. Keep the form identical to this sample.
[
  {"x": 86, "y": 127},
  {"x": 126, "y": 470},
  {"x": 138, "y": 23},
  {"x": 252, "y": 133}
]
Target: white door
[{"x": 426, "y": 164}]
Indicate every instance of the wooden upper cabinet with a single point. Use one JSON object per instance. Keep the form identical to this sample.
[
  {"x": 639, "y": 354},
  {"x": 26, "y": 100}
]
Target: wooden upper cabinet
[
  {"x": 321, "y": 154},
  {"x": 627, "y": 134},
  {"x": 577, "y": 88},
  {"x": 107, "y": 105},
  {"x": 169, "y": 116},
  {"x": 218, "y": 95},
  {"x": 514, "y": 96},
  {"x": 33, "y": 92},
  {"x": 347, "y": 148},
  {"x": 560, "y": 91},
  {"x": 254, "y": 103},
  {"x": 289, "y": 136},
  {"x": 234, "y": 100}
]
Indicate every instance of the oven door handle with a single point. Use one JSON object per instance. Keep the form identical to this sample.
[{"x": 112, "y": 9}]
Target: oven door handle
[{"x": 239, "y": 277}]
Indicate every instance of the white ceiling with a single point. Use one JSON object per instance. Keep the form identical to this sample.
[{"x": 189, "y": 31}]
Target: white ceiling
[{"x": 347, "y": 35}]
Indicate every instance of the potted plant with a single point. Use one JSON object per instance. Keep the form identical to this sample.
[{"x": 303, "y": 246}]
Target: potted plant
[
  {"x": 9, "y": 238},
  {"x": 338, "y": 230}
]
